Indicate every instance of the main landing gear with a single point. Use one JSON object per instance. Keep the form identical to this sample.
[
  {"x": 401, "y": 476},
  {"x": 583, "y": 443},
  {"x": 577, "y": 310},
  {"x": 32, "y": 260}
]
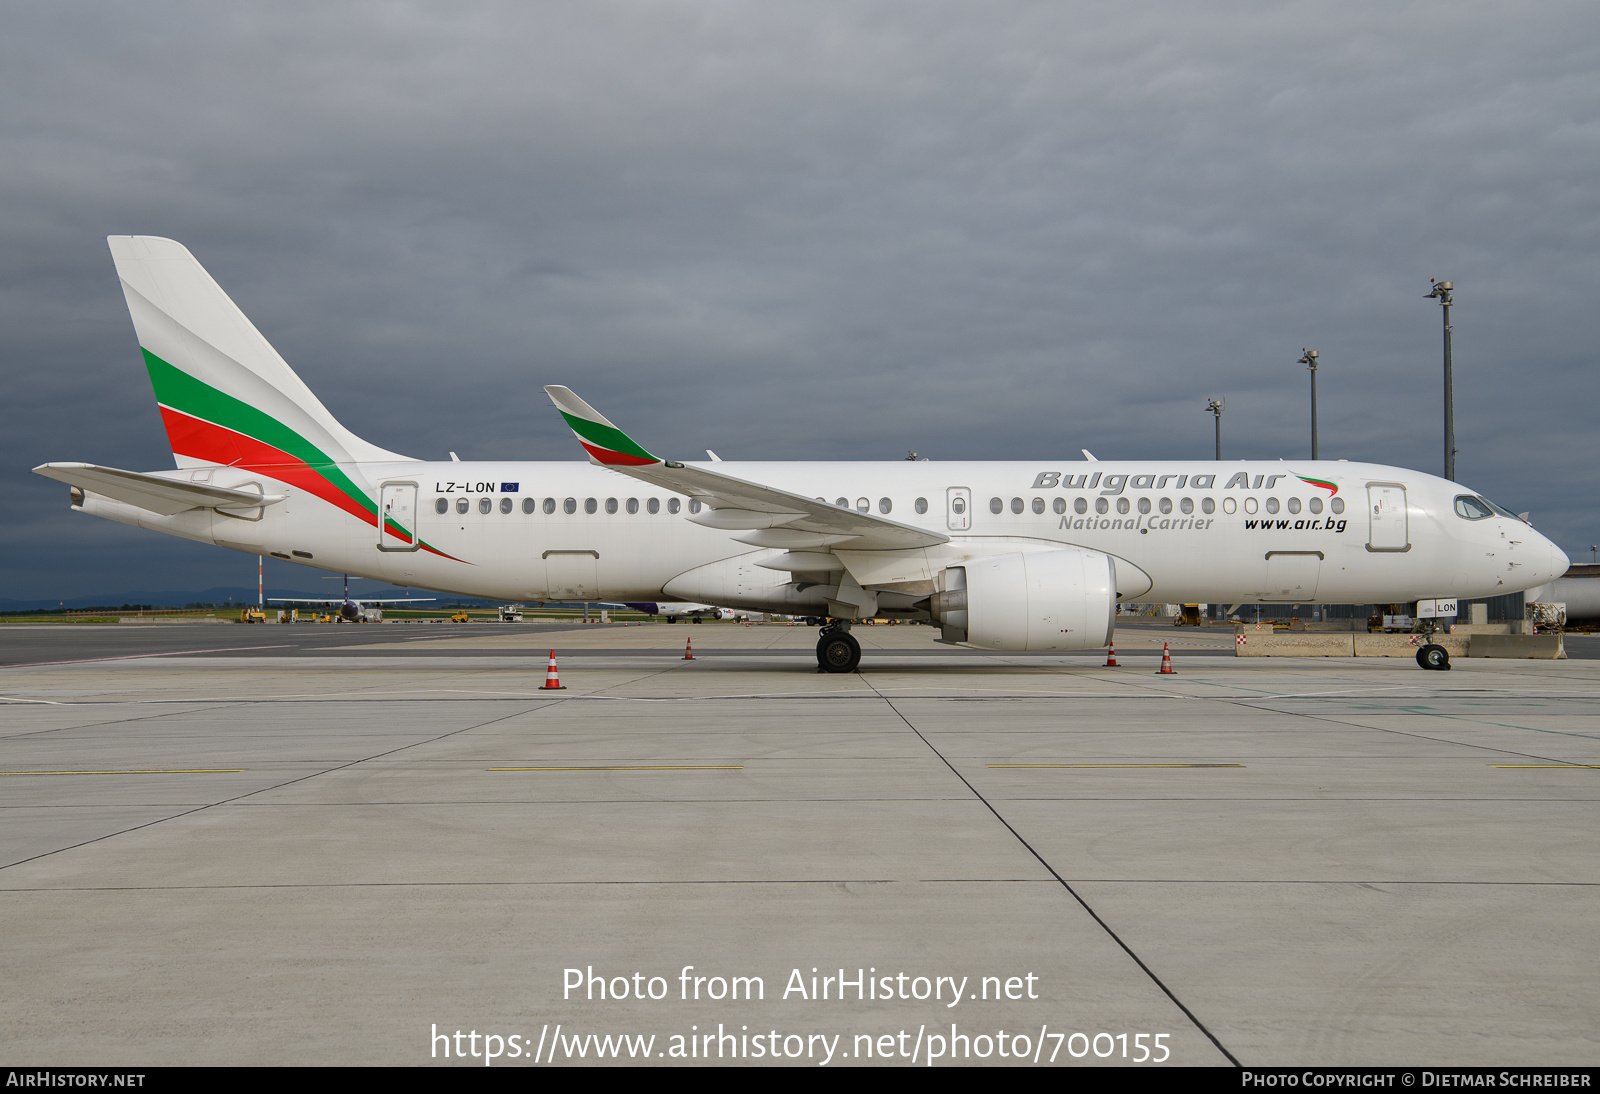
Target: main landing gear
[{"x": 836, "y": 650}]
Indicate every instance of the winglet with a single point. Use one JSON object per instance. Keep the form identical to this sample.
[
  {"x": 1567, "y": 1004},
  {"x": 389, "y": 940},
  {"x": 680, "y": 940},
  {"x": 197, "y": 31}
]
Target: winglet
[{"x": 607, "y": 445}]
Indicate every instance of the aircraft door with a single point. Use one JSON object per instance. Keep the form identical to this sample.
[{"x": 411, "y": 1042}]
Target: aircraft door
[
  {"x": 397, "y": 511},
  {"x": 572, "y": 575},
  {"x": 1292, "y": 576},
  {"x": 1386, "y": 507},
  {"x": 959, "y": 507}
]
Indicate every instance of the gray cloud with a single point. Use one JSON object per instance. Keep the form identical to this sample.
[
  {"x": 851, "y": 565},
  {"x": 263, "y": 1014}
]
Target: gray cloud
[{"x": 800, "y": 230}]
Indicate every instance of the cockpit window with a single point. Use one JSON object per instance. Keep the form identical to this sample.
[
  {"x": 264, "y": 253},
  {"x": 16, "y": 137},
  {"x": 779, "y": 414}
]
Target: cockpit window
[
  {"x": 1473, "y": 507},
  {"x": 1502, "y": 510}
]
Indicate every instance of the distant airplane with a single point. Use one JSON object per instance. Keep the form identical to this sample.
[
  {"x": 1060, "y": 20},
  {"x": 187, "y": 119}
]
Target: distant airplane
[
  {"x": 1028, "y": 555},
  {"x": 351, "y": 609},
  {"x": 672, "y": 612}
]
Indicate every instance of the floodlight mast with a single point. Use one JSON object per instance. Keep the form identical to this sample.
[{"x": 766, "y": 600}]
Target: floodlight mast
[
  {"x": 1215, "y": 407},
  {"x": 1308, "y": 358},
  {"x": 1443, "y": 293}
]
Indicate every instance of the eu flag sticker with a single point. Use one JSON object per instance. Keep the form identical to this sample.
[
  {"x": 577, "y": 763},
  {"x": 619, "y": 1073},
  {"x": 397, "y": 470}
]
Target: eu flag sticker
[{"x": 509, "y": 487}]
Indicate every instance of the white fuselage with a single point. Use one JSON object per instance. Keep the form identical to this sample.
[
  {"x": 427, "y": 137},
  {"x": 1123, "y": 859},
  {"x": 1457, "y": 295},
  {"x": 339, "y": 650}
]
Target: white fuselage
[{"x": 1254, "y": 532}]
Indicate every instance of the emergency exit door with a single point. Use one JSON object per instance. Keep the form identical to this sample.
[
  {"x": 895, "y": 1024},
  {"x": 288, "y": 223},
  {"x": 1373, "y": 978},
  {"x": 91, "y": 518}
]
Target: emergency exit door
[{"x": 959, "y": 502}]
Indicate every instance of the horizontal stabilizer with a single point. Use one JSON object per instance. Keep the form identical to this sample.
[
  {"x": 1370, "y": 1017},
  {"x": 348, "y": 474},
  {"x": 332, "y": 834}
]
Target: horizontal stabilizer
[{"x": 156, "y": 493}]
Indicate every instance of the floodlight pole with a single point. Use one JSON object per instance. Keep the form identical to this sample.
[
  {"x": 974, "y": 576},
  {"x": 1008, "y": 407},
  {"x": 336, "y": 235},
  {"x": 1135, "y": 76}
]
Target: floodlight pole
[
  {"x": 1215, "y": 407},
  {"x": 1443, "y": 292},
  {"x": 1308, "y": 358}
]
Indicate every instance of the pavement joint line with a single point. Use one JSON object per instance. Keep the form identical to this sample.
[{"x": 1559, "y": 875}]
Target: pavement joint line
[
  {"x": 147, "y": 771},
  {"x": 1148, "y": 971},
  {"x": 253, "y": 793},
  {"x": 1113, "y": 765},
  {"x": 731, "y": 767},
  {"x": 1574, "y": 767},
  {"x": 778, "y": 881},
  {"x": 141, "y": 656}
]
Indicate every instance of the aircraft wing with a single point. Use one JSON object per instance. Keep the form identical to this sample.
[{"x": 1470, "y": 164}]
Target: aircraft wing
[
  {"x": 155, "y": 493},
  {"x": 736, "y": 504}
]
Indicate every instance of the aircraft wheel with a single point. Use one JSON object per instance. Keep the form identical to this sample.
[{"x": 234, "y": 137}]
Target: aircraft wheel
[
  {"x": 838, "y": 653},
  {"x": 1433, "y": 656},
  {"x": 697, "y": 619},
  {"x": 672, "y": 619}
]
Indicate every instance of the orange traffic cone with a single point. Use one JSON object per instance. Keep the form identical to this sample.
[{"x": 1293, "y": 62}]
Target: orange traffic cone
[
  {"x": 688, "y": 650},
  {"x": 552, "y": 681},
  {"x": 1111, "y": 657},
  {"x": 1166, "y": 662}
]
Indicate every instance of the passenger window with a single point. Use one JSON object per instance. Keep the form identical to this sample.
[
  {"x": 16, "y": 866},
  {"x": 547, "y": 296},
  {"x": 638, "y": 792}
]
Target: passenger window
[
  {"x": 1038, "y": 505},
  {"x": 1122, "y": 505},
  {"x": 549, "y": 505},
  {"x": 505, "y": 505},
  {"x": 1081, "y": 505},
  {"x": 921, "y": 506},
  {"x": 694, "y": 505},
  {"x": 1059, "y": 505},
  {"x": 1250, "y": 505},
  {"x": 958, "y": 507},
  {"x": 996, "y": 506},
  {"x": 462, "y": 505},
  {"x": 1272, "y": 505},
  {"x": 863, "y": 504},
  {"x": 1166, "y": 505},
  {"x": 1315, "y": 505},
  {"x": 529, "y": 505},
  {"x": 842, "y": 503},
  {"x": 485, "y": 504},
  {"x": 570, "y": 506},
  {"x": 591, "y": 506},
  {"x": 1186, "y": 506},
  {"x": 673, "y": 505},
  {"x": 653, "y": 505},
  {"x": 885, "y": 506},
  {"x": 1337, "y": 505},
  {"x": 1228, "y": 505},
  {"x": 611, "y": 506},
  {"x": 1294, "y": 505},
  {"x": 1101, "y": 505},
  {"x": 1144, "y": 505},
  {"x": 633, "y": 506},
  {"x": 442, "y": 505},
  {"x": 1016, "y": 505}
]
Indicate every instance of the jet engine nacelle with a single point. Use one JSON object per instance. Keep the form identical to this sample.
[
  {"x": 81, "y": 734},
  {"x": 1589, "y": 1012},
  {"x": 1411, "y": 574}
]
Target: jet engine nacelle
[{"x": 1039, "y": 600}]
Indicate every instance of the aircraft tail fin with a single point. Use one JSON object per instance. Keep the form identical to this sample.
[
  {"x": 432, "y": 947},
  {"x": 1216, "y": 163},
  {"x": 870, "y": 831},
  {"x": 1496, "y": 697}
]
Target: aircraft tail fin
[{"x": 226, "y": 396}]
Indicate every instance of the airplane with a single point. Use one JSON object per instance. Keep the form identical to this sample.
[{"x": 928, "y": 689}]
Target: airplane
[
  {"x": 351, "y": 610},
  {"x": 1021, "y": 555},
  {"x": 672, "y": 612}
]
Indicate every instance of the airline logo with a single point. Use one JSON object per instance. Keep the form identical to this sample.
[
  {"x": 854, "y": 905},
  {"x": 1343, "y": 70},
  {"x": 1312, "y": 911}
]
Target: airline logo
[{"x": 206, "y": 424}]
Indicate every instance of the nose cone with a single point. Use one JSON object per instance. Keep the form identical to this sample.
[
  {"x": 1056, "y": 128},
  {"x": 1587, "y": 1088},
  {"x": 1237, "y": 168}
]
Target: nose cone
[{"x": 1559, "y": 562}]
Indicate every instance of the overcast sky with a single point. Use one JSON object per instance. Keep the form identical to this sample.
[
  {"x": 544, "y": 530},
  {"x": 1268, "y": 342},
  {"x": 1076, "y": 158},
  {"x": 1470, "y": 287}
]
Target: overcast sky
[{"x": 812, "y": 230}]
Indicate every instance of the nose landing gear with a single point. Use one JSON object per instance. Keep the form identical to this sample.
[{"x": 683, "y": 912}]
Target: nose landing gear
[
  {"x": 1434, "y": 656},
  {"x": 836, "y": 650}
]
